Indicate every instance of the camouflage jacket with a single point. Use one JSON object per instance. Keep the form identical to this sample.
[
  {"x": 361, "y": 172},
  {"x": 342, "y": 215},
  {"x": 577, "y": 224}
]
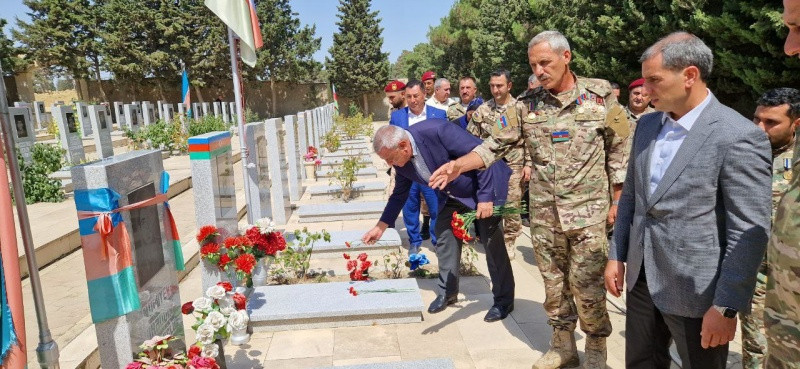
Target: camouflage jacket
[
  {"x": 781, "y": 175},
  {"x": 490, "y": 120},
  {"x": 455, "y": 111},
  {"x": 633, "y": 119},
  {"x": 577, "y": 144}
]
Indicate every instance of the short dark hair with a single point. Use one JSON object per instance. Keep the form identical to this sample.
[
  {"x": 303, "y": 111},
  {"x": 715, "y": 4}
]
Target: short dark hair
[
  {"x": 471, "y": 78},
  {"x": 614, "y": 86},
  {"x": 414, "y": 83},
  {"x": 781, "y": 96},
  {"x": 501, "y": 73}
]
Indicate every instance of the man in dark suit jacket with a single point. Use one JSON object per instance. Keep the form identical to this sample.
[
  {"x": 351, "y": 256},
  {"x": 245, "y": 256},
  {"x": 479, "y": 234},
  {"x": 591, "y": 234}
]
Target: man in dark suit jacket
[
  {"x": 693, "y": 217},
  {"x": 417, "y": 111},
  {"x": 430, "y": 144}
]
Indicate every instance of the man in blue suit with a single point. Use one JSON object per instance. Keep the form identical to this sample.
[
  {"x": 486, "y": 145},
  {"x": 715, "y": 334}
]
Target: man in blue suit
[
  {"x": 415, "y": 112},
  {"x": 413, "y": 153}
]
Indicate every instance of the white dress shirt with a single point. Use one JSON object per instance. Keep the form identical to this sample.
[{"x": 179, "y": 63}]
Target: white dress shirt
[
  {"x": 413, "y": 118},
  {"x": 669, "y": 141},
  {"x": 439, "y": 105}
]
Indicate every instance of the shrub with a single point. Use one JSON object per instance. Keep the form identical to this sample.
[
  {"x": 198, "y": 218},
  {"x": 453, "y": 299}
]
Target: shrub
[
  {"x": 208, "y": 123},
  {"x": 36, "y": 183}
]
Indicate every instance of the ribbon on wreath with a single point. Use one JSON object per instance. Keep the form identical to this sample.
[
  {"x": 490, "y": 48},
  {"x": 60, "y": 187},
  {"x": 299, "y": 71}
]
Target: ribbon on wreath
[{"x": 107, "y": 249}]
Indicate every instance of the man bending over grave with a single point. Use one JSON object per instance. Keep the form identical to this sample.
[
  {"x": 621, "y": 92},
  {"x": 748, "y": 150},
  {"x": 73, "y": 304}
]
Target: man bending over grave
[{"x": 429, "y": 144}]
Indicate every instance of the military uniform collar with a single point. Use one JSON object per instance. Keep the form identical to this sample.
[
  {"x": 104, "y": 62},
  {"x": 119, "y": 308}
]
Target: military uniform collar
[{"x": 783, "y": 150}]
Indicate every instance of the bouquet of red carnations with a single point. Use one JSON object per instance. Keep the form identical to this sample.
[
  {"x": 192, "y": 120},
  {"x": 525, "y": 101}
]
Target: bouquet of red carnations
[{"x": 461, "y": 222}]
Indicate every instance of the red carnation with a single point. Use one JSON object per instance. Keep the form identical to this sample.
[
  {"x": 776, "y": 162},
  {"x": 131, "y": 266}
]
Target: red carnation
[
  {"x": 352, "y": 264},
  {"x": 356, "y": 275},
  {"x": 224, "y": 260},
  {"x": 245, "y": 263},
  {"x": 347, "y": 244},
  {"x": 365, "y": 265},
  {"x": 207, "y": 232},
  {"x": 209, "y": 248},
  {"x": 187, "y": 308},
  {"x": 258, "y": 239},
  {"x": 239, "y": 301},
  {"x": 275, "y": 242},
  {"x": 346, "y": 256},
  {"x": 226, "y": 285},
  {"x": 194, "y": 351},
  {"x": 362, "y": 256}
]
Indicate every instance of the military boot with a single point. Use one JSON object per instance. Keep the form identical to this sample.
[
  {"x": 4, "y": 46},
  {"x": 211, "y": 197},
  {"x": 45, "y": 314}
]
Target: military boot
[
  {"x": 595, "y": 353},
  {"x": 562, "y": 354}
]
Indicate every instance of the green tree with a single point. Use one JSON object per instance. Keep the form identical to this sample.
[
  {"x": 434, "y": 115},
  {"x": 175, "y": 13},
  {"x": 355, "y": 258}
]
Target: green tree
[
  {"x": 9, "y": 54},
  {"x": 288, "y": 52},
  {"x": 357, "y": 66},
  {"x": 43, "y": 81},
  {"x": 63, "y": 35},
  {"x": 202, "y": 45},
  {"x": 412, "y": 64}
]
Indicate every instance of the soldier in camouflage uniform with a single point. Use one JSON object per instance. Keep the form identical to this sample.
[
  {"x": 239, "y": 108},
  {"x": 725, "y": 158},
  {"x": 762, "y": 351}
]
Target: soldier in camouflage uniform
[
  {"x": 459, "y": 112},
  {"x": 774, "y": 116},
  {"x": 490, "y": 119},
  {"x": 574, "y": 129}
]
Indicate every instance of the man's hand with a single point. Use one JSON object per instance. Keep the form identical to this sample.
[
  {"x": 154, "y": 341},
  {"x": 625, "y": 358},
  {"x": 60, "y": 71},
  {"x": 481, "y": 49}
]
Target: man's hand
[
  {"x": 615, "y": 277},
  {"x": 374, "y": 234},
  {"x": 717, "y": 330},
  {"x": 444, "y": 175},
  {"x": 485, "y": 210},
  {"x": 612, "y": 214},
  {"x": 526, "y": 174},
  {"x": 469, "y": 115}
]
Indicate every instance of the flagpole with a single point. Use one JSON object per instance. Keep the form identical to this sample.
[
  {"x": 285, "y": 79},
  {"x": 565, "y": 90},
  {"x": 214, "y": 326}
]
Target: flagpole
[
  {"x": 237, "y": 93},
  {"x": 47, "y": 350}
]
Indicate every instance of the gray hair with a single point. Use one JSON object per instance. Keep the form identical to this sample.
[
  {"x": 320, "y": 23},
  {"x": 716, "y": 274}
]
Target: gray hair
[
  {"x": 388, "y": 137},
  {"x": 680, "y": 50},
  {"x": 555, "y": 39},
  {"x": 438, "y": 84}
]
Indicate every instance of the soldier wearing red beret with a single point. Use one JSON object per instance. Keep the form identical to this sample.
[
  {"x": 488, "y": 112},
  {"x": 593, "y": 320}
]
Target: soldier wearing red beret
[
  {"x": 395, "y": 92},
  {"x": 638, "y": 102},
  {"x": 428, "y": 78}
]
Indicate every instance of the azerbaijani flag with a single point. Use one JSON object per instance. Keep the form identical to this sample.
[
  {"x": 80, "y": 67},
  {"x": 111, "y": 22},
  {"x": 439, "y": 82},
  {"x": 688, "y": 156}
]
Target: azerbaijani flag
[
  {"x": 240, "y": 16},
  {"x": 187, "y": 100},
  {"x": 335, "y": 98}
]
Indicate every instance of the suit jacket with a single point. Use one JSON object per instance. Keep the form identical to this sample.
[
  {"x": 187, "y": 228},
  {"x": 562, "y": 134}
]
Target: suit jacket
[
  {"x": 400, "y": 116},
  {"x": 703, "y": 232},
  {"x": 439, "y": 141}
]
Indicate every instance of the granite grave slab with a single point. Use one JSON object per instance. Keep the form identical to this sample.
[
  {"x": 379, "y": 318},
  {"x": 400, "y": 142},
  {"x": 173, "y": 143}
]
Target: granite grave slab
[
  {"x": 329, "y": 212},
  {"x": 369, "y": 172},
  {"x": 360, "y": 189}
]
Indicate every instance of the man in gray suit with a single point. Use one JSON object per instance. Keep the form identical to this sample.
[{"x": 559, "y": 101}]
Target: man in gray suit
[{"x": 694, "y": 214}]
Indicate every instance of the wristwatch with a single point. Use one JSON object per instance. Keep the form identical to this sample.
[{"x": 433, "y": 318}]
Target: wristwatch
[{"x": 727, "y": 312}]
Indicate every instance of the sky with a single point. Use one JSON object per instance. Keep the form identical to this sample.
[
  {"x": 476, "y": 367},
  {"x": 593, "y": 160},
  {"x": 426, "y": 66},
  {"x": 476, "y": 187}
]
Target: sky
[{"x": 405, "y": 22}]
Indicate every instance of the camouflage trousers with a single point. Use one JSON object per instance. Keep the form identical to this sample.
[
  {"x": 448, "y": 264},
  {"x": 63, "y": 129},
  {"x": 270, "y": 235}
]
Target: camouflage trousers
[
  {"x": 572, "y": 265},
  {"x": 782, "y": 308},
  {"x": 512, "y": 224},
  {"x": 754, "y": 342}
]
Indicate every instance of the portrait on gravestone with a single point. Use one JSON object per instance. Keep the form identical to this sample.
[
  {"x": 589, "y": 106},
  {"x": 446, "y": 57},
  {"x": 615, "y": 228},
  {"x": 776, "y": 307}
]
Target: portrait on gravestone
[
  {"x": 84, "y": 110},
  {"x": 147, "y": 244},
  {"x": 71, "y": 123},
  {"x": 226, "y": 195},
  {"x": 22, "y": 128},
  {"x": 152, "y": 115},
  {"x": 103, "y": 124},
  {"x": 135, "y": 117},
  {"x": 41, "y": 108}
]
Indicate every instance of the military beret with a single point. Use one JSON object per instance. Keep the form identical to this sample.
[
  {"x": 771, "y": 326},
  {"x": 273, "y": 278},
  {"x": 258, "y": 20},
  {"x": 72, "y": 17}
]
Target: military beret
[
  {"x": 428, "y": 75},
  {"x": 394, "y": 86},
  {"x": 636, "y": 83},
  {"x": 474, "y": 104}
]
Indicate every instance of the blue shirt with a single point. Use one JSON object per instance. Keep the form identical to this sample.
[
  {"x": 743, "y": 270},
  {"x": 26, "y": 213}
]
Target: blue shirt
[{"x": 669, "y": 140}]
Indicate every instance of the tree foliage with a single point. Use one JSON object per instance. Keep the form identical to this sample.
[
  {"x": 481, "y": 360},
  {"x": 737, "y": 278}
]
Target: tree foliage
[
  {"x": 357, "y": 65},
  {"x": 10, "y": 59},
  {"x": 607, "y": 39}
]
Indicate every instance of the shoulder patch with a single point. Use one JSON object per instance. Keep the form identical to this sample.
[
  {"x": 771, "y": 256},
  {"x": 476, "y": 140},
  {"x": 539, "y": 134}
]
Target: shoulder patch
[
  {"x": 600, "y": 87},
  {"x": 617, "y": 120}
]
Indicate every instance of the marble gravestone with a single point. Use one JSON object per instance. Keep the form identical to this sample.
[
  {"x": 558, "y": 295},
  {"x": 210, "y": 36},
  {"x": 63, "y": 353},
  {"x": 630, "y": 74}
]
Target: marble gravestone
[
  {"x": 43, "y": 118},
  {"x": 226, "y": 117},
  {"x": 302, "y": 143},
  {"x": 214, "y": 191},
  {"x": 23, "y": 104},
  {"x": 196, "y": 111},
  {"x": 182, "y": 116},
  {"x": 101, "y": 126},
  {"x": 150, "y": 261},
  {"x": 167, "y": 112},
  {"x": 82, "y": 113},
  {"x": 23, "y": 131},
  {"x": 232, "y": 106},
  {"x": 217, "y": 111},
  {"x": 132, "y": 117},
  {"x": 206, "y": 108},
  {"x": 160, "y": 109},
  {"x": 148, "y": 113},
  {"x": 119, "y": 114},
  {"x": 289, "y": 126},
  {"x": 266, "y": 184},
  {"x": 68, "y": 131}
]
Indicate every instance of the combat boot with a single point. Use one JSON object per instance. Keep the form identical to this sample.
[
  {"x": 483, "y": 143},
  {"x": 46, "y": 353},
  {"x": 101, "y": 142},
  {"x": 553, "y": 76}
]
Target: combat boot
[
  {"x": 562, "y": 354},
  {"x": 595, "y": 353}
]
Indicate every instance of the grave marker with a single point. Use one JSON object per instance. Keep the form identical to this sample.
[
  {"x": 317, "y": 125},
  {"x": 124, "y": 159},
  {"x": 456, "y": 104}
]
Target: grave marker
[
  {"x": 206, "y": 108},
  {"x": 168, "y": 112},
  {"x": 23, "y": 131},
  {"x": 302, "y": 143},
  {"x": 101, "y": 126},
  {"x": 160, "y": 109},
  {"x": 82, "y": 112},
  {"x": 148, "y": 113},
  {"x": 43, "y": 118},
  {"x": 226, "y": 116},
  {"x": 217, "y": 107},
  {"x": 119, "y": 114},
  {"x": 68, "y": 131},
  {"x": 291, "y": 157}
]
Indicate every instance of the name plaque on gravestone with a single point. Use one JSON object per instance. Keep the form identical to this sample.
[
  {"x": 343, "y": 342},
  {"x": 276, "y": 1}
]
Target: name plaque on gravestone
[
  {"x": 71, "y": 126},
  {"x": 144, "y": 223}
]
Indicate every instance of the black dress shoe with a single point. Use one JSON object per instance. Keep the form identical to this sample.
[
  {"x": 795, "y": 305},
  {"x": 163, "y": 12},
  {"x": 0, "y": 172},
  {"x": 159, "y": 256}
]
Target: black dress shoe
[
  {"x": 498, "y": 312},
  {"x": 441, "y": 302}
]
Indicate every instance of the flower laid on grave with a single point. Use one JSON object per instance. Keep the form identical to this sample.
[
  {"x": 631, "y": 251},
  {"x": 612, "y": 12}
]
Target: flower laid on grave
[
  {"x": 311, "y": 154},
  {"x": 353, "y": 291},
  {"x": 157, "y": 354},
  {"x": 265, "y": 239},
  {"x": 219, "y": 313},
  {"x": 417, "y": 260},
  {"x": 461, "y": 222},
  {"x": 358, "y": 267}
]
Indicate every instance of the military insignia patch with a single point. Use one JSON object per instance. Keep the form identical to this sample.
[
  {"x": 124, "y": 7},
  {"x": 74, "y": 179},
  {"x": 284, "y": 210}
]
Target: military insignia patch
[
  {"x": 617, "y": 120},
  {"x": 560, "y": 136}
]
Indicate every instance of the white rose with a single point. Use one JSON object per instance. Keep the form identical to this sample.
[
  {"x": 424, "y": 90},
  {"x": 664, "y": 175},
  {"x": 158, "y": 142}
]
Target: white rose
[
  {"x": 227, "y": 310},
  {"x": 202, "y": 304},
  {"x": 210, "y": 350},
  {"x": 216, "y": 320},
  {"x": 266, "y": 225},
  {"x": 238, "y": 320},
  {"x": 205, "y": 333},
  {"x": 215, "y": 292}
]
